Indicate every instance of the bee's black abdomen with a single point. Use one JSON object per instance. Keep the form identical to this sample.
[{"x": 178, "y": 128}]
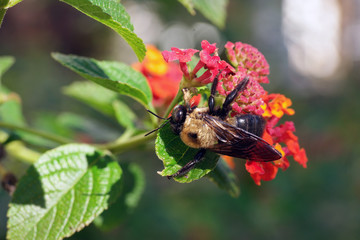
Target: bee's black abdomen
[{"x": 252, "y": 123}]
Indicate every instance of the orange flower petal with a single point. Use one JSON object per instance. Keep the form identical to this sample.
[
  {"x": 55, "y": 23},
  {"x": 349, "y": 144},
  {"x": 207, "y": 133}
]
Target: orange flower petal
[
  {"x": 154, "y": 62},
  {"x": 277, "y": 105},
  {"x": 267, "y": 137},
  {"x": 301, "y": 158},
  {"x": 229, "y": 160},
  {"x": 163, "y": 77},
  {"x": 293, "y": 146},
  {"x": 195, "y": 100}
]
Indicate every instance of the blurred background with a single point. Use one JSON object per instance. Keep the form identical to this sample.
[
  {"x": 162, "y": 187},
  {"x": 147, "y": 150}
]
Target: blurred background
[{"x": 313, "y": 48}]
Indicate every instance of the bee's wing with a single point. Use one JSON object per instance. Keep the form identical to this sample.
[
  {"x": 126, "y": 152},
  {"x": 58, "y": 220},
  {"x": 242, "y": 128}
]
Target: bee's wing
[{"x": 237, "y": 142}]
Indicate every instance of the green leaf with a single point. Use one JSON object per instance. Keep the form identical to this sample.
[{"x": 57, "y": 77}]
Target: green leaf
[
  {"x": 112, "y": 14},
  {"x": 10, "y": 109},
  {"x": 50, "y": 122},
  {"x": 225, "y": 178},
  {"x": 11, "y": 112},
  {"x": 87, "y": 128},
  {"x": 3, "y": 3},
  {"x": 8, "y": 3},
  {"x": 189, "y": 5},
  {"x": 134, "y": 184},
  {"x": 115, "y": 76},
  {"x": 5, "y": 63},
  {"x": 2, "y": 15},
  {"x": 175, "y": 154},
  {"x": 103, "y": 100},
  {"x": 11, "y": 3},
  {"x": 92, "y": 94},
  {"x": 124, "y": 115},
  {"x": 63, "y": 192},
  {"x": 213, "y": 10}
]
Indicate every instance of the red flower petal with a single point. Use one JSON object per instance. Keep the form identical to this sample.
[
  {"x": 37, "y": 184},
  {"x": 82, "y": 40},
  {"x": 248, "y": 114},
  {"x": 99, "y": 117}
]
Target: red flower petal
[
  {"x": 270, "y": 171},
  {"x": 254, "y": 167},
  {"x": 243, "y": 55},
  {"x": 282, "y": 163},
  {"x": 207, "y": 47},
  {"x": 211, "y": 62},
  {"x": 265, "y": 171},
  {"x": 183, "y": 55},
  {"x": 301, "y": 158}
]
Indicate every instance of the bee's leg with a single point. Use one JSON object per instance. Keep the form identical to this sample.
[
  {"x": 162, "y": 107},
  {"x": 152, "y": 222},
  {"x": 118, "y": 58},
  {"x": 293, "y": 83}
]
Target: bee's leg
[
  {"x": 190, "y": 165},
  {"x": 226, "y": 107},
  {"x": 211, "y": 100}
]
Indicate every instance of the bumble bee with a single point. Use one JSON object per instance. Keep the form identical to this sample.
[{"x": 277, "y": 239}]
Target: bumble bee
[{"x": 211, "y": 128}]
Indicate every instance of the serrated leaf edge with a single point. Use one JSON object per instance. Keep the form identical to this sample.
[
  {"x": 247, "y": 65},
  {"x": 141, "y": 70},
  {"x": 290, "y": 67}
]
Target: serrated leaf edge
[{"x": 81, "y": 225}]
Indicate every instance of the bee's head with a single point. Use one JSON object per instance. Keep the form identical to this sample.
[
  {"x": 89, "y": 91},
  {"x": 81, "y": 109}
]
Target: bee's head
[{"x": 178, "y": 118}]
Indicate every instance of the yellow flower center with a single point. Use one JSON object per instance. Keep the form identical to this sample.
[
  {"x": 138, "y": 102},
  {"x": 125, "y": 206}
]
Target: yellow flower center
[
  {"x": 278, "y": 107},
  {"x": 154, "y": 62}
]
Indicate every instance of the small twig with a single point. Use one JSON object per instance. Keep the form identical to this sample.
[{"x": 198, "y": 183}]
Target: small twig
[{"x": 48, "y": 136}]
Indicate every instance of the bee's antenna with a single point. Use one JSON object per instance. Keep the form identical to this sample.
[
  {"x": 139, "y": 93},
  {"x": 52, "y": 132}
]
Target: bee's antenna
[
  {"x": 156, "y": 115},
  {"x": 161, "y": 126}
]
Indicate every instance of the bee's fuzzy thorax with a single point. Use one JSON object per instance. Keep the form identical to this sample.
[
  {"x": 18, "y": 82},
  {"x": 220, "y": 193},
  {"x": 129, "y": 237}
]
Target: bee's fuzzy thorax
[{"x": 195, "y": 133}]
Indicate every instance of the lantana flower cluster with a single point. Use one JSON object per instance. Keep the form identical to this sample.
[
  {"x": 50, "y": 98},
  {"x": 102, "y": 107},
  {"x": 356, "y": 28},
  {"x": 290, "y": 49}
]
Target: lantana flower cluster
[
  {"x": 245, "y": 60},
  {"x": 163, "y": 77}
]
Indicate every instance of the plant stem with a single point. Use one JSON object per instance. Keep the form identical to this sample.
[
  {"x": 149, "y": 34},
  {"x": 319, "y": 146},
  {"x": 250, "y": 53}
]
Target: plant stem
[
  {"x": 2, "y": 171},
  {"x": 175, "y": 101},
  {"x": 18, "y": 150},
  {"x": 117, "y": 146},
  {"x": 39, "y": 133},
  {"x": 120, "y": 145}
]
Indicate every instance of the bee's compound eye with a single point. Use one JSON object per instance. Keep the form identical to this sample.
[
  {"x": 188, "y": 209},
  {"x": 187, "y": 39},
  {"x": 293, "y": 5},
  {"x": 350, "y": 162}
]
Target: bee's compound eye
[{"x": 179, "y": 114}]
